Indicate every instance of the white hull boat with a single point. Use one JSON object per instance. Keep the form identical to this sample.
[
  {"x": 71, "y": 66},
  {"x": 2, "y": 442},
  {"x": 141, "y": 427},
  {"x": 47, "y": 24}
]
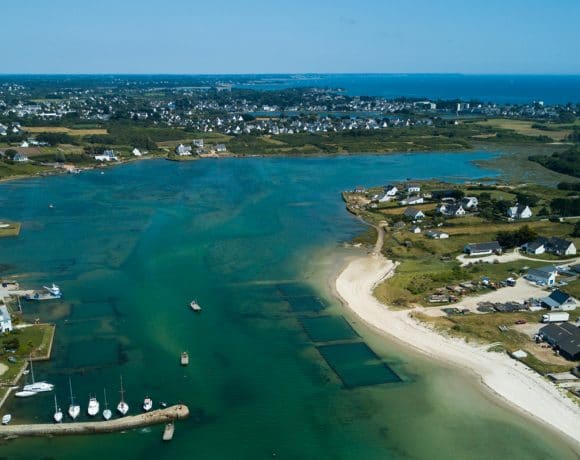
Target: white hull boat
[
  {"x": 6, "y": 419},
  {"x": 57, "y": 412},
  {"x": 93, "y": 408},
  {"x": 147, "y": 404},
  {"x": 73, "y": 410},
  {"x": 122, "y": 407},
  {"x": 24, "y": 394},
  {"x": 107, "y": 414}
]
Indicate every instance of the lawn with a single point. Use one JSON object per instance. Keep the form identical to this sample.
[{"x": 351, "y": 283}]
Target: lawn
[
  {"x": 62, "y": 129},
  {"x": 555, "y": 131}
]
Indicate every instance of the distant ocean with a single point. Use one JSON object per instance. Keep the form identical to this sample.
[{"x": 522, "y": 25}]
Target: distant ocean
[{"x": 517, "y": 89}]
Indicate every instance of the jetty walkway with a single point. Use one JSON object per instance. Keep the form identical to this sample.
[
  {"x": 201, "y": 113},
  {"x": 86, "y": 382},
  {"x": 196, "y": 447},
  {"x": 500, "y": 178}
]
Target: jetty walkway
[{"x": 155, "y": 417}]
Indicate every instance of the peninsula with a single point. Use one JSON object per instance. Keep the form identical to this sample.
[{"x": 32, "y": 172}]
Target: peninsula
[{"x": 456, "y": 247}]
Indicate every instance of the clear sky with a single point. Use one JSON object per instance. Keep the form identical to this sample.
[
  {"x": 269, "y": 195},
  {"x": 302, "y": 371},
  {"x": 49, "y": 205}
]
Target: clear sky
[{"x": 270, "y": 36}]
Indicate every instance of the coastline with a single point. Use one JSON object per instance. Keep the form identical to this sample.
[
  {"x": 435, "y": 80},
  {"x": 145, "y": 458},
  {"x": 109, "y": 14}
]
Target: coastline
[{"x": 511, "y": 381}]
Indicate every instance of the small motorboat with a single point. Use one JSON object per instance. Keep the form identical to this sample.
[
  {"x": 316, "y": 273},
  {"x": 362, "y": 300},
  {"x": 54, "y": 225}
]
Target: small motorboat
[
  {"x": 168, "y": 431},
  {"x": 6, "y": 419},
  {"x": 184, "y": 358},
  {"x": 163, "y": 404},
  {"x": 24, "y": 394},
  {"x": 147, "y": 404},
  {"x": 195, "y": 306}
]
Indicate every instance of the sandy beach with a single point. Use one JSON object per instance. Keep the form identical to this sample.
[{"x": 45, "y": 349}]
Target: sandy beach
[{"x": 507, "y": 378}]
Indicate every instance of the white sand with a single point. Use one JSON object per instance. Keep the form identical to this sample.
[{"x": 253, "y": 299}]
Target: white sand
[{"x": 507, "y": 378}]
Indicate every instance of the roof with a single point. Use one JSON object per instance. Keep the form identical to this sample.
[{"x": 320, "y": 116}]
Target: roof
[
  {"x": 559, "y": 296},
  {"x": 534, "y": 245},
  {"x": 412, "y": 212},
  {"x": 566, "y": 337},
  {"x": 559, "y": 243},
  {"x": 483, "y": 247},
  {"x": 541, "y": 272}
]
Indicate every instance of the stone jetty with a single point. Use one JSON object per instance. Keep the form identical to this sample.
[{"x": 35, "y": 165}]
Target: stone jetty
[{"x": 155, "y": 417}]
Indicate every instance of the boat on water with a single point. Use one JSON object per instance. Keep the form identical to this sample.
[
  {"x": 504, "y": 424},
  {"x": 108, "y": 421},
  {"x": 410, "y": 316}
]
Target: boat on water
[
  {"x": 93, "y": 408},
  {"x": 57, "y": 412},
  {"x": 49, "y": 293},
  {"x": 195, "y": 306},
  {"x": 107, "y": 414},
  {"x": 147, "y": 404},
  {"x": 122, "y": 407},
  {"x": 37, "y": 387},
  {"x": 73, "y": 410},
  {"x": 168, "y": 431},
  {"x": 6, "y": 419},
  {"x": 184, "y": 358},
  {"x": 24, "y": 394}
]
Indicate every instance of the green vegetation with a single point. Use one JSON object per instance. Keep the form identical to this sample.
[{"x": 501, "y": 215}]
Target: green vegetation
[
  {"x": 21, "y": 343},
  {"x": 567, "y": 162}
]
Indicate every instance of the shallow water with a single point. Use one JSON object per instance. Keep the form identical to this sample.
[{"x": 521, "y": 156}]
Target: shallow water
[{"x": 132, "y": 247}]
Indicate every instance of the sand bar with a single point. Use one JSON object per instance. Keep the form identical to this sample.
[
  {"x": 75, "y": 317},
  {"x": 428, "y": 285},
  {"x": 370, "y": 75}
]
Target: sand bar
[{"x": 511, "y": 380}]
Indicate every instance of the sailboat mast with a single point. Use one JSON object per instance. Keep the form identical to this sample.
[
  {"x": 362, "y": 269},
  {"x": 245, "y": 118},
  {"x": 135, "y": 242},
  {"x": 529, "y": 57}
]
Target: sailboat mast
[
  {"x": 71, "y": 393},
  {"x": 31, "y": 369}
]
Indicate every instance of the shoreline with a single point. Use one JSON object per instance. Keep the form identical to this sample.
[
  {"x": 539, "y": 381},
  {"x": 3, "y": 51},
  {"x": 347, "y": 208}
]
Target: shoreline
[{"x": 505, "y": 378}]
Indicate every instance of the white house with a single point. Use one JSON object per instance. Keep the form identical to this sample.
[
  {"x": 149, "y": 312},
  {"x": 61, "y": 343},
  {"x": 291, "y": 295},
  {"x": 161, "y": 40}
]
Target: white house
[
  {"x": 535, "y": 247},
  {"x": 413, "y": 213},
  {"x": 469, "y": 202},
  {"x": 107, "y": 155},
  {"x": 482, "y": 249},
  {"x": 559, "y": 301},
  {"x": 198, "y": 143},
  {"x": 137, "y": 152},
  {"x": 5, "y": 320},
  {"x": 519, "y": 212},
  {"x": 391, "y": 190},
  {"x": 437, "y": 235},
  {"x": 545, "y": 276},
  {"x": 183, "y": 150},
  {"x": 24, "y": 144},
  {"x": 221, "y": 148},
  {"x": 416, "y": 229},
  {"x": 561, "y": 247},
  {"x": 20, "y": 157},
  {"x": 452, "y": 210},
  {"x": 413, "y": 188},
  {"x": 412, "y": 200}
]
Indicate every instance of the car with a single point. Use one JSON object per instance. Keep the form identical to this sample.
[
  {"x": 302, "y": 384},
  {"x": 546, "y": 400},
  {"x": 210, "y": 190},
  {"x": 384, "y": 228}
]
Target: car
[
  {"x": 12, "y": 359},
  {"x": 521, "y": 321}
]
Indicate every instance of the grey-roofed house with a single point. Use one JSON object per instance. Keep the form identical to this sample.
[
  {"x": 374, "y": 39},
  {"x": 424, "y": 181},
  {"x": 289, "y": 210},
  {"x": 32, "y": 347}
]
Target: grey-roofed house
[
  {"x": 544, "y": 276},
  {"x": 414, "y": 213},
  {"x": 519, "y": 211},
  {"x": 561, "y": 247},
  {"x": 535, "y": 247},
  {"x": 482, "y": 249},
  {"x": 564, "y": 337},
  {"x": 559, "y": 301}
]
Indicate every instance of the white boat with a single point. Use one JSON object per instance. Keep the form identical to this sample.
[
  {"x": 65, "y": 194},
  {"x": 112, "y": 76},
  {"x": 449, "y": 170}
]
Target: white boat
[
  {"x": 147, "y": 404},
  {"x": 53, "y": 290},
  {"x": 107, "y": 414},
  {"x": 57, "y": 412},
  {"x": 37, "y": 387},
  {"x": 122, "y": 407},
  {"x": 93, "y": 408},
  {"x": 6, "y": 419},
  {"x": 24, "y": 394},
  {"x": 73, "y": 410},
  {"x": 195, "y": 306}
]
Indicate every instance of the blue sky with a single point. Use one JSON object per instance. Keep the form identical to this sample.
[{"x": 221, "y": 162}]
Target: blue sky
[{"x": 259, "y": 36}]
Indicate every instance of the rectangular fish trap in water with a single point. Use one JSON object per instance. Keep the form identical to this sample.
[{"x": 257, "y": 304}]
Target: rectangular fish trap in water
[
  {"x": 357, "y": 365},
  {"x": 328, "y": 328}
]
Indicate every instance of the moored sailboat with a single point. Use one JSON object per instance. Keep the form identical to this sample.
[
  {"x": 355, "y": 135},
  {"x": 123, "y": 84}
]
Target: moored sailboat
[
  {"x": 93, "y": 407},
  {"x": 107, "y": 414},
  {"x": 147, "y": 404},
  {"x": 36, "y": 387},
  {"x": 74, "y": 409},
  {"x": 122, "y": 407},
  {"x": 57, "y": 412}
]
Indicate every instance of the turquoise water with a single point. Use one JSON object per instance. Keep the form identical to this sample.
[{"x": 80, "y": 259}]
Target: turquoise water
[{"x": 254, "y": 241}]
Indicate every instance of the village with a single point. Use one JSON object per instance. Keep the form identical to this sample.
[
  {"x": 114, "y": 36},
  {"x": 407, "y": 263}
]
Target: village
[{"x": 487, "y": 262}]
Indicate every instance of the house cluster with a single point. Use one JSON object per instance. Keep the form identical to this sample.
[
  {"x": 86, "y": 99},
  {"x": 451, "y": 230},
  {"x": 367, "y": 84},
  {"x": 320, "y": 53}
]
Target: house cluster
[
  {"x": 107, "y": 155},
  {"x": 554, "y": 245},
  {"x": 199, "y": 147}
]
